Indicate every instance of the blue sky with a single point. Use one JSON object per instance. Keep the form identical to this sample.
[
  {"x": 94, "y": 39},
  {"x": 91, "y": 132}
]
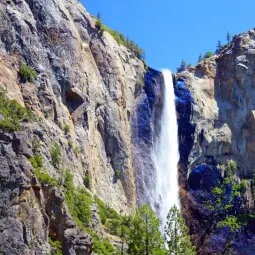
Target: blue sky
[{"x": 172, "y": 30}]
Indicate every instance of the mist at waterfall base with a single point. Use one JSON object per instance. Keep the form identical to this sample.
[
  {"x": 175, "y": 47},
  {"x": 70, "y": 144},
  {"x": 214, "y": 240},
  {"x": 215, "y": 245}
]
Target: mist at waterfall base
[{"x": 165, "y": 155}]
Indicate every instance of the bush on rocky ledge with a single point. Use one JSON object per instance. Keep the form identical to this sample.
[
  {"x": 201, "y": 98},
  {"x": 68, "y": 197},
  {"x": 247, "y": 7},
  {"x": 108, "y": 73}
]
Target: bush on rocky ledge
[
  {"x": 78, "y": 201},
  {"x": 40, "y": 172},
  {"x": 56, "y": 155},
  {"x": 27, "y": 73},
  {"x": 12, "y": 114},
  {"x": 121, "y": 39}
]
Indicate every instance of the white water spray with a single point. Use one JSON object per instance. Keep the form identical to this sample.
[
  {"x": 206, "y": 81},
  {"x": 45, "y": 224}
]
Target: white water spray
[{"x": 166, "y": 154}]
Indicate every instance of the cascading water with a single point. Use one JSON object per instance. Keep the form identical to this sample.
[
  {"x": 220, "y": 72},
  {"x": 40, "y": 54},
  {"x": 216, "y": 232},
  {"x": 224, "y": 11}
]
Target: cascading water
[{"x": 166, "y": 155}]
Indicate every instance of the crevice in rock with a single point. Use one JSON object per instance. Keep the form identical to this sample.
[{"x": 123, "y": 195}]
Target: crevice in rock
[
  {"x": 73, "y": 100},
  {"x": 85, "y": 115},
  {"x": 24, "y": 234}
]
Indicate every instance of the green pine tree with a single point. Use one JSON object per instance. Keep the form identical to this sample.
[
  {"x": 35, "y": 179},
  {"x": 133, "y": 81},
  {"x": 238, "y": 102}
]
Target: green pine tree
[
  {"x": 182, "y": 67},
  {"x": 177, "y": 234},
  {"x": 123, "y": 232},
  {"x": 144, "y": 235},
  {"x": 219, "y": 46},
  {"x": 228, "y": 37},
  {"x": 200, "y": 58}
]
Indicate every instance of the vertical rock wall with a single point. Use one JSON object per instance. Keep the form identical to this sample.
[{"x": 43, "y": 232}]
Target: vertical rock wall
[
  {"x": 145, "y": 128},
  {"x": 84, "y": 97},
  {"x": 221, "y": 115}
]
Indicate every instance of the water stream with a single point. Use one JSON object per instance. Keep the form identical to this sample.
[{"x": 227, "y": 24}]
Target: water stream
[{"x": 166, "y": 155}]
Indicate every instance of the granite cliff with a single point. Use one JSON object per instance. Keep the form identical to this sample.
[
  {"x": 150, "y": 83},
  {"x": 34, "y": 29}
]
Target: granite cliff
[
  {"x": 83, "y": 98},
  {"x": 80, "y": 132},
  {"x": 219, "y": 129}
]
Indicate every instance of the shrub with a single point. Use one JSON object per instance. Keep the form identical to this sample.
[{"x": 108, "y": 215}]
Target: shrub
[
  {"x": 208, "y": 54},
  {"x": 56, "y": 247},
  {"x": 102, "y": 246},
  {"x": 232, "y": 166},
  {"x": 244, "y": 185},
  {"x": 8, "y": 126},
  {"x": 106, "y": 212},
  {"x": 218, "y": 191},
  {"x": 99, "y": 25},
  {"x": 87, "y": 180},
  {"x": 56, "y": 155},
  {"x": 77, "y": 150},
  {"x": 27, "y": 73},
  {"x": 66, "y": 129},
  {"x": 225, "y": 201},
  {"x": 45, "y": 178},
  {"x": 230, "y": 169},
  {"x": 41, "y": 174},
  {"x": 36, "y": 161},
  {"x": 81, "y": 209},
  {"x": 68, "y": 182},
  {"x": 231, "y": 222},
  {"x": 13, "y": 114},
  {"x": 36, "y": 143},
  {"x": 112, "y": 226},
  {"x": 78, "y": 201}
]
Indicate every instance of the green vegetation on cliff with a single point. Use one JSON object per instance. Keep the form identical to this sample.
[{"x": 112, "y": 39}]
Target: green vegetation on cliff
[
  {"x": 226, "y": 202},
  {"x": 12, "y": 114},
  {"x": 138, "y": 234},
  {"x": 56, "y": 247},
  {"x": 102, "y": 246},
  {"x": 232, "y": 222},
  {"x": 56, "y": 155},
  {"x": 27, "y": 73},
  {"x": 78, "y": 201},
  {"x": 41, "y": 173},
  {"x": 106, "y": 212},
  {"x": 121, "y": 39}
]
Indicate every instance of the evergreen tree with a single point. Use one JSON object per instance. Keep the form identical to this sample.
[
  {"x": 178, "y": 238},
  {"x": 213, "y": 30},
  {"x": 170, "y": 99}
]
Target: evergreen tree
[
  {"x": 177, "y": 234},
  {"x": 219, "y": 46},
  {"x": 123, "y": 231},
  {"x": 200, "y": 58},
  {"x": 99, "y": 23},
  {"x": 183, "y": 67},
  {"x": 189, "y": 65},
  {"x": 144, "y": 235},
  {"x": 99, "y": 16},
  {"x": 228, "y": 37}
]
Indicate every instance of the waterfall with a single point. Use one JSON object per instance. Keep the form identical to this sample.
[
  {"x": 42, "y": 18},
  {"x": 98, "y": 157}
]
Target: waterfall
[{"x": 166, "y": 155}]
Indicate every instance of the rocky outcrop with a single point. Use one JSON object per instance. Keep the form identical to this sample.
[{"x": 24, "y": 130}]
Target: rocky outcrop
[{"x": 222, "y": 116}]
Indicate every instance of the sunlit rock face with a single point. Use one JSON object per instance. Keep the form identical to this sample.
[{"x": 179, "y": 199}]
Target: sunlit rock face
[
  {"x": 222, "y": 117},
  {"x": 84, "y": 96},
  {"x": 112, "y": 107}
]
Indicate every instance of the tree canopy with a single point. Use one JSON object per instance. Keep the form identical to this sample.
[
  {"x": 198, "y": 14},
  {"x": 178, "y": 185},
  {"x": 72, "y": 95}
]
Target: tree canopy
[
  {"x": 177, "y": 234},
  {"x": 144, "y": 235}
]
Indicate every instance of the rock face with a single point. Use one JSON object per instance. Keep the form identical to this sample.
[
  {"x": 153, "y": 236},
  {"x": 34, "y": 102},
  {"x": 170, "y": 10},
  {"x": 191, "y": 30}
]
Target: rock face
[
  {"x": 145, "y": 127},
  {"x": 222, "y": 114},
  {"x": 84, "y": 98},
  {"x": 97, "y": 113}
]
